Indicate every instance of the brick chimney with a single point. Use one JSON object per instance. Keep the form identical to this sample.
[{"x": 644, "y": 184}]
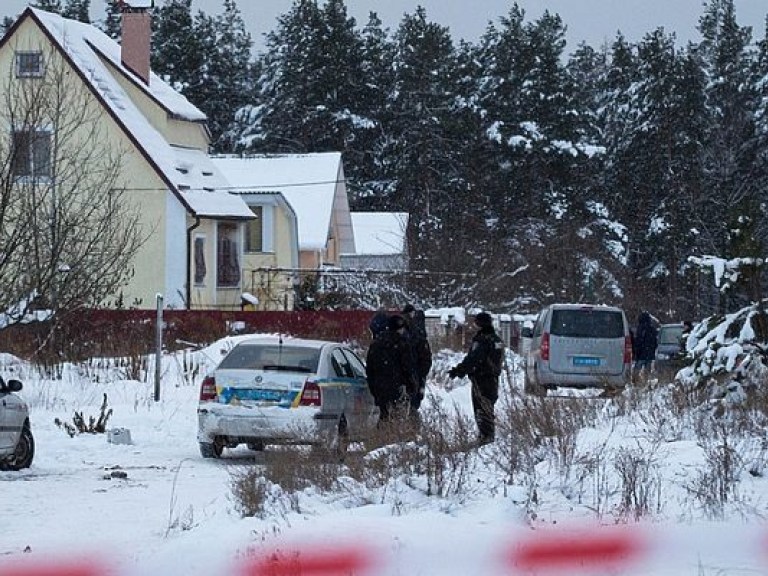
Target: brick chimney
[{"x": 136, "y": 36}]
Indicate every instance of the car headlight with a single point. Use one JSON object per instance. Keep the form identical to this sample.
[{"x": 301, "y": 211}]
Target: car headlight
[{"x": 661, "y": 356}]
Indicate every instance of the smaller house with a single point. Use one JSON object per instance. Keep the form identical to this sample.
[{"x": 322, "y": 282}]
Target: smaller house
[
  {"x": 380, "y": 242},
  {"x": 314, "y": 187}
]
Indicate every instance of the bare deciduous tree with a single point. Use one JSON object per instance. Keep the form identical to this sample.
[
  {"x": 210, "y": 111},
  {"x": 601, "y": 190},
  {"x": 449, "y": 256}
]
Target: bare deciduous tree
[{"x": 68, "y": 228}]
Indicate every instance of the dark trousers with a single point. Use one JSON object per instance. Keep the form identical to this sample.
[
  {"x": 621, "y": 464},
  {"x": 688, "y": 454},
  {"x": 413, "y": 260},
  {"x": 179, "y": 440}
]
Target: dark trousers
[{"x": 482, "y": 405}]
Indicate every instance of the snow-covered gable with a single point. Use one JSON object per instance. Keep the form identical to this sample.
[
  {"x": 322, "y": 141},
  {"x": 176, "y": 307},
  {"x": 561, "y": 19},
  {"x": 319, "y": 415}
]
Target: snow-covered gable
[
  {"x": 309, "y": 182},
  {"x": 379, "y": 233},
  {"x": 189, "y": 173}
]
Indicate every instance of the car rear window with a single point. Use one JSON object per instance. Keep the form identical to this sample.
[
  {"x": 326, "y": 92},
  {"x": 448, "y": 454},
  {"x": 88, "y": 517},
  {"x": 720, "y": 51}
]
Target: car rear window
[
  {"x": 670, "y": 334},
  {"x": 587, "y": 323},
  {"x": 271, "y": 357}
]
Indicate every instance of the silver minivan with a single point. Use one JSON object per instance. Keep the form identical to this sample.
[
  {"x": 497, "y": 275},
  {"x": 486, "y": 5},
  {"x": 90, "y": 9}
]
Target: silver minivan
[{"x": 578, "y": 346}]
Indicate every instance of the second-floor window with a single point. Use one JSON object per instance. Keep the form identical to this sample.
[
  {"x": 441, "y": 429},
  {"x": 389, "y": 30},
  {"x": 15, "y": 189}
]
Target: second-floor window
[
  {"x": 254, "y": 231},
  {"x": 227, "y": 258},
  {"x": 29, "y": 64},
  {"x": 31, "y": 153}
]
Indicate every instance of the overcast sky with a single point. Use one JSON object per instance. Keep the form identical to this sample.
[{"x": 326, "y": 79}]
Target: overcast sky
[{"x": 593, "y": 21}]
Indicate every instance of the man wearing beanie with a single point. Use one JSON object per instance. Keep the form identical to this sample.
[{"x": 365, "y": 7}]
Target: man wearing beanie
[{"x": 483, "y": 366}]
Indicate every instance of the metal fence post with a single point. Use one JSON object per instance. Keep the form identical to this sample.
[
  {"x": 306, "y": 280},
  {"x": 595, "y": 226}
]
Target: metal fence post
[{"x": 158, "y": 345}]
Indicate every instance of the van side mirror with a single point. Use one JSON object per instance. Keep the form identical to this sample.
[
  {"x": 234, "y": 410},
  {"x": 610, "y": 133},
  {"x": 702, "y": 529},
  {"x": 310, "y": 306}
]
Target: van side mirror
[{"x": 526, "y": 332}]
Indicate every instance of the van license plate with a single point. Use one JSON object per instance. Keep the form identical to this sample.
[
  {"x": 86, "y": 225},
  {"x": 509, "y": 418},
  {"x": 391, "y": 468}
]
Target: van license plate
[{"x": 585, "y": 361}]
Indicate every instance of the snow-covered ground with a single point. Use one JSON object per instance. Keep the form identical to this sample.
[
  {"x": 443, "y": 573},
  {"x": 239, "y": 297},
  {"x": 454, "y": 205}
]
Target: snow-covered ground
[{"x": 156, "y": 507}]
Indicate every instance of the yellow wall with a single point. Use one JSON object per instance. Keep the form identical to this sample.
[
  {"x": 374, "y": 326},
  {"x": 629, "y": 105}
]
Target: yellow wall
[
  {"x": 175, "y": 131},
  {"x": 274, "y": 289},
  {"x": 144, "y": 188}
]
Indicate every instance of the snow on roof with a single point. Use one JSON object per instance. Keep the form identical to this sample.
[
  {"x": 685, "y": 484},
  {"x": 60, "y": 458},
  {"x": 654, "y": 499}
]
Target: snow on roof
[
  {"x": 189, "y": 171},
  {"x": 379, "y": 233},
  {"x": 307, "y": 181}
]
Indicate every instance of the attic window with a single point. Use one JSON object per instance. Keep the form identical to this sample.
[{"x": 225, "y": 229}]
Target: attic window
[
  {"x": 207, "y": 173},
  {"x": 182, "y": 170},
  {"x": 29, "y": 64},
  {"x": 208, "y": 188}
]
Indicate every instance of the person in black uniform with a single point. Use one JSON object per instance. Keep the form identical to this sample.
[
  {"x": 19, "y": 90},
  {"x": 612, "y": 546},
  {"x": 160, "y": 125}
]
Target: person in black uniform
[
  {"x": 389, "y": 370},
  {"x": 421, "y": 353},
  {"x": 483, "y": 366}
]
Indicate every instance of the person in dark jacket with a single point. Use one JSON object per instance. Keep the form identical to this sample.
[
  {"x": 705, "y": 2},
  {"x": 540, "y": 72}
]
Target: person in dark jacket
[
  {"x": 421, "y": 353},
  {"x": 378, "y": 323},
  {"x": 483, "y": 366},
  {"x": 644, "y": 342},
  {"x": 389, "y": 370}
]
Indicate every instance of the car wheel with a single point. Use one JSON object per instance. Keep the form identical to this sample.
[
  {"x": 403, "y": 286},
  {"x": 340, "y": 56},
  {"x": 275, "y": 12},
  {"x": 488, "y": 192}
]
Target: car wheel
[
  {"x": 256, "y": 446},
  {"x": 23, "y": 454},
  {"x": 335, "y": 442},
  {"x": 533, "y": 389},
  {"x": 212, "y": 449}
]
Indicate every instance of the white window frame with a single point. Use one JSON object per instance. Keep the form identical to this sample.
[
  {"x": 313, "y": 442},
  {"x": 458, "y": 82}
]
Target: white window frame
[{"x": 28, "y": 72}]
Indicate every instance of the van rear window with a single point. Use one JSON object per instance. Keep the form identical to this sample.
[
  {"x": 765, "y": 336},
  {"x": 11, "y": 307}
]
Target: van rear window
[{"x": 587, "y": 323}]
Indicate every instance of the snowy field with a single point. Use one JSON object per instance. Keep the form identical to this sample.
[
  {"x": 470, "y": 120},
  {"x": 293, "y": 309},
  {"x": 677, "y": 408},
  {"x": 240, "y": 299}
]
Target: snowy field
[{"x": 87, "y": 506}]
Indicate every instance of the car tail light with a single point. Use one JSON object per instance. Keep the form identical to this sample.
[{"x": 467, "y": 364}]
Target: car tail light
[
  {"x": 545, "y": 347},
  {"x": 310, "y": 395},
  {"x": 208, "y": 389},
  {"x": 627, "y": 350}
]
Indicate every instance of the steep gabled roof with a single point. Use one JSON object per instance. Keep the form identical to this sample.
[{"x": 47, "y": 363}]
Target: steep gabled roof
[
  {"x": 188, "y": 173},
  {"x": 308, "y": 181}
]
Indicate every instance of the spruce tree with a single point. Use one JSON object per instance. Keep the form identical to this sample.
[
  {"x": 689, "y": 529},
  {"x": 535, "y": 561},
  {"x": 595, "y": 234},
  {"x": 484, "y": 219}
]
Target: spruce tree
[
  {"x": 77, "y": 10},
  {"x": 111, "y": 25},
  {"x": 177, "y": 49},
  {"x": 310, "y": 81},
  {"x": 730, "y": 152},
  {"x": 225, "y": 84},
  {"x": 48, "y": 5}
]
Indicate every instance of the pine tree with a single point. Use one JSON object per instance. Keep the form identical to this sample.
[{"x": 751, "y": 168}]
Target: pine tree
[
  {"x": 730, "y": 152},
  {"x": 177, "y": 48},
  {"x": 309, "y": 84},
  {"x": 225, "y": 83},
  {"x": 111, "y": 25},
  {"x": 48, "y": 5},
  {"x": 77, "y": 10},
  {"x": 6, "y": 25}
]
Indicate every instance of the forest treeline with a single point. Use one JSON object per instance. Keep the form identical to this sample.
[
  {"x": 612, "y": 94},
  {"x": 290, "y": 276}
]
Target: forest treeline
[{"x": 532, "y": 171}]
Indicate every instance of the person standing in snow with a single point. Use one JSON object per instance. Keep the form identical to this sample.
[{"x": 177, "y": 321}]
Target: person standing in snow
[
  {"x": 389, "y": 370},
  {"x": 378, "y": 323},
  {"x": 421, "y": 353},
  {"x": 483, "y": 366},
  {"x": 644, "y": 343}
]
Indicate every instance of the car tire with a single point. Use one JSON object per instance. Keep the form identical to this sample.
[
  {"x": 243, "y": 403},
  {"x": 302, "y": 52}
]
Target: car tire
[
  {"x": 23, "y": 454},
  {"x": 533, "y": 389},
  {"x": 212, "y": 449},
  {"x": 256, "y": 446},
  {"x": 335, "y": 443}
]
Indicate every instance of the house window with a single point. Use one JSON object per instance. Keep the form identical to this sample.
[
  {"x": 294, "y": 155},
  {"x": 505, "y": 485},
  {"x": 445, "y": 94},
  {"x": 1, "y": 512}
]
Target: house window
[
  {"x": 31, "y": 153},
  {"x": 29, "y": 64},
  {"x": 227, "y": 261},
  {"x": 254, "y": 231},
  {"x": 200, "y": 260}
]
